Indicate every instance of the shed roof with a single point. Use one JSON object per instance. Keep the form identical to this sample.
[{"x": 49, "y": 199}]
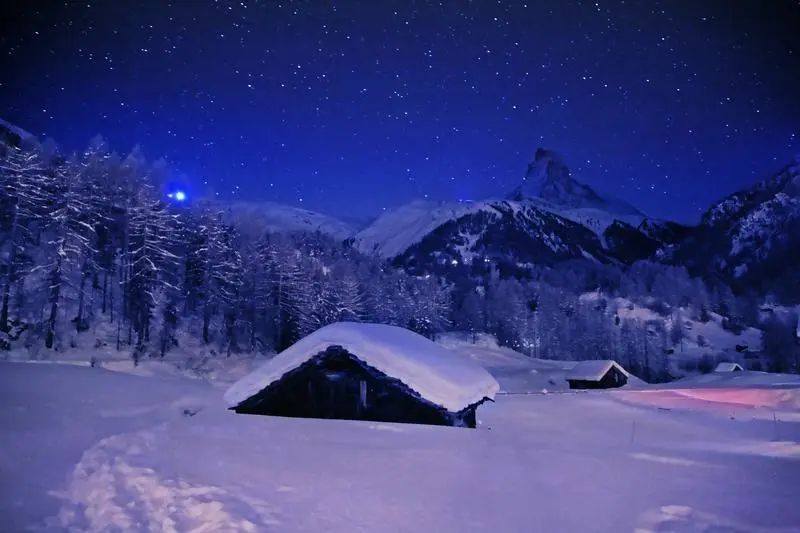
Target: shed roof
[
  {"x": 728, "y": 367},
  {"x": 439, "y": 375},
  {"x": 593, "y": 370}
]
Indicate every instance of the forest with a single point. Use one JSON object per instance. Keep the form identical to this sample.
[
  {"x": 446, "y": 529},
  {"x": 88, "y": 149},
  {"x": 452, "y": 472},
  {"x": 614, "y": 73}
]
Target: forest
[{"x": 94, "y": 242}]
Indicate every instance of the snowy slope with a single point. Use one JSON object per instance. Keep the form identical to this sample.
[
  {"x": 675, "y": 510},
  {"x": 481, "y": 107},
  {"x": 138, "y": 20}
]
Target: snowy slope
[
  {"x": 278, "y": 218},
  {"x": 516, "y": 372},
  {"x": 598, "y": 220},
  {"x": 88, "y": 451},
  {"x": 435, "y": 373},
  {"x": 700, "y": 338},
  {"x": 395, "y": 230},
  {"x": 398, "y": 229},
  {"x": 751, "y": 238}
]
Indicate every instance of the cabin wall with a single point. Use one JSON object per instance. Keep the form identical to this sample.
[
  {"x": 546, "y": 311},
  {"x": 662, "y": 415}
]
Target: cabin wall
[
  {"x": 611, "y": 380},
  {"x": 336, "y": 384}
]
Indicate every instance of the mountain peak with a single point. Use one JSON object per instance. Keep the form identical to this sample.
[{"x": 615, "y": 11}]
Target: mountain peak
[
  {"x": 547, "y": 169},
  {"x": 549, "y": 178}
]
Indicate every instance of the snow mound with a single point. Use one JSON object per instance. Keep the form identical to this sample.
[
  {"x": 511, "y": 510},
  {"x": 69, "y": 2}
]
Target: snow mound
[
  {"x": 593, "y": 370},
  {"x": 515, "y": 372},
  {"x": 437, "y": 374}
]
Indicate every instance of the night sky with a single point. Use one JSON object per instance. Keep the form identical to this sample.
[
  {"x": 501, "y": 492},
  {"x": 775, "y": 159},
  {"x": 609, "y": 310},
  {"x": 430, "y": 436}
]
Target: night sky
[{"x": 352, "y": 107}]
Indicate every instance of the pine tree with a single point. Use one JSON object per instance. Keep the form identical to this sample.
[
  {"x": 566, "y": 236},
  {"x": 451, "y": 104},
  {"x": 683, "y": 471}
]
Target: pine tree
[
  {"x": 149, "y": 260},
  {"x": 25, "y": 195},
  {"x": 70, "y": 227}
]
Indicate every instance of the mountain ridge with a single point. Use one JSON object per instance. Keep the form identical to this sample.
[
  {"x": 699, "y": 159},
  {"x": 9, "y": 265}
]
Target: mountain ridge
[{"x": 749, "y": 238}]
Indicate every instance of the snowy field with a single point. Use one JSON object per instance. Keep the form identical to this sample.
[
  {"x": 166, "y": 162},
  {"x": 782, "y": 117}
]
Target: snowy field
[{"x": 87, "y": 449}]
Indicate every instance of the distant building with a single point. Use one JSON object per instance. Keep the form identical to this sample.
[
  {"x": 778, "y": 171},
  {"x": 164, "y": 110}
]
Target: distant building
[
  {"x": 366, "y": 372},
  {"x": 728, "y": 367},
  {"x": 598, "y": 374}
]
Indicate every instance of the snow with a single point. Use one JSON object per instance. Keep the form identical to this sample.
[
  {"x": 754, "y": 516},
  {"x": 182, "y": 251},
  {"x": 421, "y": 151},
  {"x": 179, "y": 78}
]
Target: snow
[
  {"x": 52, "y": 414},
  {"x": 756, "y": 231},
  {"x": 700, "y": 338},
  {"x": 90, "y": 450},
  {"x": 598, "y": 220},
  {"x": 515, "y": 372},
  {"x": 728, "y": 367},
  {"x": 279, "y": 218},
  {"x": 435, "y": 373},
  {"x": 593, "y": 370},
  {"x": 396, "y": 230}
]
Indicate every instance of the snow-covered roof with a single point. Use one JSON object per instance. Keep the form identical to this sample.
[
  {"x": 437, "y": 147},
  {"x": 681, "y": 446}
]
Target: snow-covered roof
[
  {"x": 728, "y": 367},
  {"x": 593, "y": 370},
  {"x": 439, "y": 375}
]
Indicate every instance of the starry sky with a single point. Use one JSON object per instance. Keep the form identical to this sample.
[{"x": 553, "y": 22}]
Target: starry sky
[{"x": 351, "y": 107}]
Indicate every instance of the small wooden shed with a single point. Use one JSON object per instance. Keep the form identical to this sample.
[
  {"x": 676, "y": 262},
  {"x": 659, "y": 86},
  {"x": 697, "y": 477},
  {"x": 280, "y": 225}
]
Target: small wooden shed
[
  {"x": 728, "y": 367},
  {"x": 359, "y": 371},
  {"x": 597, "y": 374}
]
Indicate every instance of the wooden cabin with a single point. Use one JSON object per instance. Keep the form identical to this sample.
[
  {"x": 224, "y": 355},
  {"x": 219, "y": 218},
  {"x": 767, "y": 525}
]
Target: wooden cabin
[
  {"x": 728, "y": 367},
  {"x": 598, "y": 374},
  {"x": 366, "y": 372}
]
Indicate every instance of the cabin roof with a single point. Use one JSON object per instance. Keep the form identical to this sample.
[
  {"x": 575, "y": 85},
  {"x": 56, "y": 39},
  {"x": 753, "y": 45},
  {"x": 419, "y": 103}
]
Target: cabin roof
[
  {"x": 437, "y": 374},
  {"x": 593, "y": 370},
  {"x": 727, "y": 367}
]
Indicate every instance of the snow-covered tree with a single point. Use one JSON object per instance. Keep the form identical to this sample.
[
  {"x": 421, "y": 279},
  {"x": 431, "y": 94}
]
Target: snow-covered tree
[{"x": 25, "y": 195}]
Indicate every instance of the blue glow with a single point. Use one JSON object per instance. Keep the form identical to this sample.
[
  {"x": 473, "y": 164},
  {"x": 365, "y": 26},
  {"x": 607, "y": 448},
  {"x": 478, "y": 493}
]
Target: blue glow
[{"x": 178, "y": 196}]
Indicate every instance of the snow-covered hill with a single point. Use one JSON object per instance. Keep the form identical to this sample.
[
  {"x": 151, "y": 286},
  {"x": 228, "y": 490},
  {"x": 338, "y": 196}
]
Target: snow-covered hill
[
  {"x": 260, "y": 217},
  {"x": 698, "y": 339}
]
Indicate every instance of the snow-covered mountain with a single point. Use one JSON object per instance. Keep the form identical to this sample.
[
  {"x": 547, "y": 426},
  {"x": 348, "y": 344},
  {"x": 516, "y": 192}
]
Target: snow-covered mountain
[
  {"x": 751, "y": 237},
  {"x": 511, "y": 236},
  {"x": 550, "y": 217},
  {"x": 260, "y": 217},
  {"x": 396, "y": 229},
  {"x": 548, "y": 178}
]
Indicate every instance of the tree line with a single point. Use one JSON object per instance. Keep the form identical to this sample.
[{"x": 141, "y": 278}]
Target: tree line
[
  {"x": 92, "y": 243},
  {"x": 93, "y": 239}
]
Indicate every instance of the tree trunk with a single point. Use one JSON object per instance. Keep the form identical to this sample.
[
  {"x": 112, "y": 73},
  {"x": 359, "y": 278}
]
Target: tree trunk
[
  {"x": 55, "y": 292},
  {"x": 4, "y": 311},
  {"x": 206, "y": 321},
  {"x": 81, "y": 299},
  {"x": 230, "y": 323},
  {"x": 10, "y": 275},
  {"x": 105, "y": 290}
]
